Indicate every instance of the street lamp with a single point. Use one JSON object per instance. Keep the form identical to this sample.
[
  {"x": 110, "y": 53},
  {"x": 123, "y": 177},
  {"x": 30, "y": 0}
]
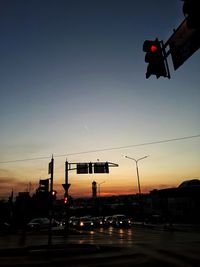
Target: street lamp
[
  {"x": 99, "y": 186},
  {"x": 136, "y": 162}
]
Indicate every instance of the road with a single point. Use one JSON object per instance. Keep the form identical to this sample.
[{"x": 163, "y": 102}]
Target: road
[{"x": 106, "y": 247}]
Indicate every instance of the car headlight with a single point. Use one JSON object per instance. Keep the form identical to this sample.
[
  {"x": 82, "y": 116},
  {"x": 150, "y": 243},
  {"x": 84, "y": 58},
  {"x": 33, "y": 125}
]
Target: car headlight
[
  {"x": 92, "y": 223},
  {"x": 81, "y": 224}
]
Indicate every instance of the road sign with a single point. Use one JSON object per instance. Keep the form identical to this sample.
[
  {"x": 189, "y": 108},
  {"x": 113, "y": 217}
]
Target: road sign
[
  {"x": 183, "y": 43},
  {"x": 66, "y": 186},
  {"x": 82, "y": 168},
  {"x": 101, "y": 167}
]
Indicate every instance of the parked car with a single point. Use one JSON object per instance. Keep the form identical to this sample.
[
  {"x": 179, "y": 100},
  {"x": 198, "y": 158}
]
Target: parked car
[
  {"x": 38, "y": 224},
  {"x": 120, "y": 220}
]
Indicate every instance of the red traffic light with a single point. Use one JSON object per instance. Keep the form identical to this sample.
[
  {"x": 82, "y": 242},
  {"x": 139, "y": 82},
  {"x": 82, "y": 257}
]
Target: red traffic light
[
  {"x": 65, "y": 200},
  {"x": 54, "y": 193},
  {"x": 150, "y": 46},
  {"x": 153, "y": 48},
  {"x": 155, "y": 57}
]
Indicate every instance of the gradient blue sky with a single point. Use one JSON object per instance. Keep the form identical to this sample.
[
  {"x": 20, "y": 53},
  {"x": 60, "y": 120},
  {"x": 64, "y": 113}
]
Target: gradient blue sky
[{"x": 72, "y": 79}]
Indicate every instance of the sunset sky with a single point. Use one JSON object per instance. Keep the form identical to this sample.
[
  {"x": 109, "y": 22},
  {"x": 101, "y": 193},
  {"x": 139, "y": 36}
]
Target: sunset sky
[{"x": 72, "y": 81}]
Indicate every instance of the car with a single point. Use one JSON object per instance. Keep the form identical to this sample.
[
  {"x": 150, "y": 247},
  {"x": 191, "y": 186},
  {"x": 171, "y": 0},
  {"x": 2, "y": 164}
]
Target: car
[
  {"x": 85, "y": 223},
  {"x": 108, "y": 221},
  {"x": 98, "y": 221},
  {"x": 120, "y": 220},
  {"x": 74, "y": 222},
  {"x": 37, "y": 224}
]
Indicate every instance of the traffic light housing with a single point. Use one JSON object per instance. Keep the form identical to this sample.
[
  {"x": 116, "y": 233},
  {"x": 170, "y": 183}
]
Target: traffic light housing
[
  {"x": 106, "y": 167},
  {"x": 155, "y": 57},
  {"x": 44, "y": 185},
  {"x": 90, "y": 167},
  {"x": 191, "y": 12},
  {"x": 54, "y": 195},
  {"x": 65, "y": 200}
]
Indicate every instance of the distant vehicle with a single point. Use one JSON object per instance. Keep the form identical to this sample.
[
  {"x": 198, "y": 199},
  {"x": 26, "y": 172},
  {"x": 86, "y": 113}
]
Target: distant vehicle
[
  {"x": 62, "y": 222},
  {"x": 74, "y": 222},
  {"x": 120, "y": 220},
  {"x": 55, "y": 223},
  {"x": 108, "y": 221},
  {"x": 86, "y": 223},
  {"x": 98, "y": 221},
  {"x": 37, "y": 224}
]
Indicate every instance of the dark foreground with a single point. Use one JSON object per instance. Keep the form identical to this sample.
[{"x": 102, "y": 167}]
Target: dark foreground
[
  {"x": 90, "y": 255},
  {"x": 108, "y": 247}
]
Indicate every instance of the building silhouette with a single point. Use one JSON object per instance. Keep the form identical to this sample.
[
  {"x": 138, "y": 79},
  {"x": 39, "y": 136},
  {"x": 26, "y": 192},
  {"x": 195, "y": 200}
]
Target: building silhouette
[
  {"x": 180, "y": 204},
  {"x": 94, "y": 190}
]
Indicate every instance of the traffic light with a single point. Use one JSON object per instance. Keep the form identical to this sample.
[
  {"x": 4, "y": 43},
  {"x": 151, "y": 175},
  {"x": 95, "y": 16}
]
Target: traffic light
[
  {"x": 54, "y": 194},
  {"x": 191, "y": 12},
  {"x": 90, "y": 167},
  {"x": 44, "y": 185},
  {"x": 155, "y": 57},
  {"x": 65, "y": 200}
]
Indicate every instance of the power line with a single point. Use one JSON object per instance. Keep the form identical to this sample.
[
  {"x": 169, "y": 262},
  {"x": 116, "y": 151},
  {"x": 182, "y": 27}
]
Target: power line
[{"x": 105, "y": 149}]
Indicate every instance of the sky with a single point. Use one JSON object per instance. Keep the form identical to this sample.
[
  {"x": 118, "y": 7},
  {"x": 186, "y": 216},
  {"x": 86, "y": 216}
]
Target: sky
[{"x": 72, "y": 82}]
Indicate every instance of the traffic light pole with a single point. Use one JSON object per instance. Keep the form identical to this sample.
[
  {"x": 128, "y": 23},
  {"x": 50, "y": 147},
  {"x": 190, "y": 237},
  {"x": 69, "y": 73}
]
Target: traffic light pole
[
  {"x": 99, "y": 167},
  {"x": 66, "y": 195},
  {"x": 51, "y": 169}
]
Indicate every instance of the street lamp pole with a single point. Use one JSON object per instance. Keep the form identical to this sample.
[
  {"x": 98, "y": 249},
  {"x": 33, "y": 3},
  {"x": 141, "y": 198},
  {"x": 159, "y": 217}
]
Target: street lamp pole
[
  {"x": 138, "y": 177},
  {"x": 99, "y": 196},
  {"x": 99, "y": 187}
]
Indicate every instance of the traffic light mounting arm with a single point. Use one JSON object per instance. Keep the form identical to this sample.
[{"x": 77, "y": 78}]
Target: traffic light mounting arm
[{"x": 165, "y": 59}]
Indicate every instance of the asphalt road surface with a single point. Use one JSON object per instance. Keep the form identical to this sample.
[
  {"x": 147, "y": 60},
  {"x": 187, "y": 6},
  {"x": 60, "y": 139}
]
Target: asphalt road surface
[{"x": 135, "y": 246}]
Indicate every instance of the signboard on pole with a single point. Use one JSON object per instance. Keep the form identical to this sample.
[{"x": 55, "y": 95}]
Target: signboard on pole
[
  {"x": 66, "y": 186},
  {"x": 101, "y": 167},
  {"x": 183, "y": 43},
  {"x": 82, "y": 168}
]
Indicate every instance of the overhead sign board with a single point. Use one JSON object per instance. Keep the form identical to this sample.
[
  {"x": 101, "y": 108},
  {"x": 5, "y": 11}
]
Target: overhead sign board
[
  {"x": 82, "y": 168},
  {"x": 101, "y": 167},
  {"x": 183, "y": 43}
]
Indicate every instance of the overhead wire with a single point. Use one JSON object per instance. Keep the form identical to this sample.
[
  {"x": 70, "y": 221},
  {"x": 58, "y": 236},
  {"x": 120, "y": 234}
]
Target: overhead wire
[{"x": 105, "y": 149}]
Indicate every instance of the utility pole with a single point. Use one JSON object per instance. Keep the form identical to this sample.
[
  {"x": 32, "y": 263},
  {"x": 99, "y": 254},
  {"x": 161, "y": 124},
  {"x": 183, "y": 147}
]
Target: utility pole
[
  {"x": 66, "y": 197},
  {"x": 51, "y": 171}
]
